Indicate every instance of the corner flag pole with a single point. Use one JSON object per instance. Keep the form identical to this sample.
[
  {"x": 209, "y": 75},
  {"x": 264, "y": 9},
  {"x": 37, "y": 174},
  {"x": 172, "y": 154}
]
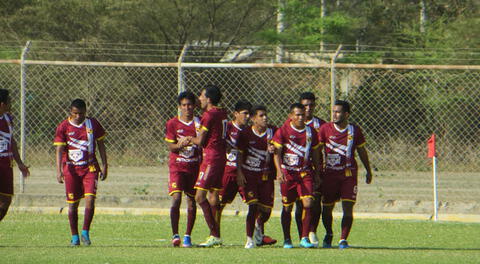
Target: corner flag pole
[{"x": 433, "y": 154}]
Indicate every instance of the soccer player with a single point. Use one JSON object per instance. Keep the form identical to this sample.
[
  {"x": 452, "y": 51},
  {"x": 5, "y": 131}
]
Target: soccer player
[
  {"x": 183, "y": 164},
  {"x": 307, "y": 99},
  {"x": 229, "y": 181},
  {"x": 340, "y": 140},
  {"x": 76, "y": 140},
  {"x": 256, "y": 174},
  {"x": 8, "y": 151},
  {"x": 211, "y": 137},
  {"x": 295, "y": 144}
]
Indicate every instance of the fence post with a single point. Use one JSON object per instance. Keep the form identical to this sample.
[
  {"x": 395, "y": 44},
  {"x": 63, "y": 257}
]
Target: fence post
[
  {"x": 181, "y": 84},
  {"x": 332, "y": 80},
  {"x": 23, "y": 85}
]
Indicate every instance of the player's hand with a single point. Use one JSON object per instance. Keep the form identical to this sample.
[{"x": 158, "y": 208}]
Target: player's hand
[
  {"x": 183, "y": 141},
  {"x": 241, "y": 181},
  {"x": 271, "y": 148},
  {"x": 104, "y": 173},
  {"x": 24, "y": 169},
  {"x": 368, "y": 178},
  {"x": 281, "y": 177},
  {"x": 60, "y": 177}
]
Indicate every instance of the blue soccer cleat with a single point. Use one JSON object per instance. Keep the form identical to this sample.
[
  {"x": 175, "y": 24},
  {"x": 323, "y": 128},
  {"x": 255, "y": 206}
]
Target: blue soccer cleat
[
  {"x": 305, "y": 243},
  {"x": 75, "y": 241},
  {"x": 327, "y": 241},
  {"x": 187, "y": 241},
  {"x": 287, "y": 243},
  {"x": 343, "y": 244},
  {"x": 86, "y": 238}
]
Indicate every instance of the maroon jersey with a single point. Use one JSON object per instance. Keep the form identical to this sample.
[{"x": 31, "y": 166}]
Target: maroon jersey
[
  {"x": 233, "y": 133},
  {"x": 214, "y": 121},
  {"x": 6, "y": 137},
  {"x": 297, "y": 147},
  {"x": 79, "y": 141},
  {"x": 340, "y": 145},
  {"x": 254, "y": 148},
  {"x": 314, "y": 123},
  {"x": 187, "y": 159}
]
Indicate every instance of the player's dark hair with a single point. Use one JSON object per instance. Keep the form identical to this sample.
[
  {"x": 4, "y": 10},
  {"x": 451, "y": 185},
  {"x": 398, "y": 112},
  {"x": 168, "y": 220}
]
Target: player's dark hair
[
  {"x": 307, "y": 96},
  {"x": 296, "y": 105},
  {"x": 213, "y": 92},
  {"x": 345, "y": 105},
  {"x": 186, "y": 95},
  {"x": 242, "y": 105},
  {"x": 254, "y": 110},
  {"x": 79, "y": 104},
  {"x": 4, "y": 96}
]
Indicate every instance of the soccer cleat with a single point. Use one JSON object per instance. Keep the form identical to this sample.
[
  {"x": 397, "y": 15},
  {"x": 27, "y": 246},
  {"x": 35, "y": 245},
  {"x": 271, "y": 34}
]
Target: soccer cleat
[
  {"x": 176, "y": 240},
  {"x": 343, "y": 244},
  {"x": 86, "y": 238},
  {"x": 187, "y": 241},
  {"x": 327, "y": 241},
  {"x": 313, "y": 238},
  {"x": 249, "y": 244},
  {"x": 268, "y": 240},
  {"x": 305, "y": 243},
  {"x": 287, "y": 243},
  {"x": 75, "y": 241},
  {"x": 257, "y": 236},
  {"x": 211, "y": 242}
]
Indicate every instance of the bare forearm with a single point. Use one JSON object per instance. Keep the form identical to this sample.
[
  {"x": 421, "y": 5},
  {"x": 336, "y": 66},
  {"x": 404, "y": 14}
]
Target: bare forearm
[
  {"x": 103, "y": 153},
  {"x": 58, "y": 157},
  {"x": 16, "y": 155},
  {"x": 362, "y": 153}
]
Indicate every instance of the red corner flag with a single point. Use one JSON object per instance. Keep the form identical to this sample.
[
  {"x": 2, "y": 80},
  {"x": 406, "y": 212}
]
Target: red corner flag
[{"x": 431, "y": 147}]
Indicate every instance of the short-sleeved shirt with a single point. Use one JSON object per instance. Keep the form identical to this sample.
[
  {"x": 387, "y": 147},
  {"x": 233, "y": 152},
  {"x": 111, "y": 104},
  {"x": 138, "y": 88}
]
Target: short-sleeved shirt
[
  {"x": 188, "y": 158},
  {"x": 75, "y": 139},
  {"x": 336, "y": 145},
  {"x": 6, "y": 136},
  {"x": 233, "y": 133},
  {"x": 254, "y": 147},
  {"x": 297, "y": 146},
  {"x": 314, "y": 123},
  {"x": 214, "y": 121}
]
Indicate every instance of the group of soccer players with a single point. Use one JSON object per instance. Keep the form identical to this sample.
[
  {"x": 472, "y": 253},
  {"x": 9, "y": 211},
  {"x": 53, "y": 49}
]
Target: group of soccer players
[{"x": 212, "y": 159}]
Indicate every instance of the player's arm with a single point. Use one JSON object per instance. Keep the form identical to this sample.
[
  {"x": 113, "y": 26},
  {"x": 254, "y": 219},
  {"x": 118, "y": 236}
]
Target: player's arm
[
  {"x": 178, "y": 145},
  {"x": 103, "y": 156},
  {"x": 60, "y": 148},
  {"x": 18, "y": 160},
  {"x": 277, "y": 160},
  {"x": 362, "y": 153},
  {"x": 199, "y": 140},
  {"x": 241, "y": 180}
]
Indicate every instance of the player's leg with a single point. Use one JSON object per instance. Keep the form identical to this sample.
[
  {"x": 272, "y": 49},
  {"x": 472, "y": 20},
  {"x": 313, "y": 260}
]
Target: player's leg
[
  {"x": 286, "y": 220},
  {"x": 214, "y": 201},
  {"x": 175, "y": 217},
  {"x": 191, "y": 216},
  {"x": 226, "y": 196},
  {"x": 347, "y": 221},
  {"x": 330, "y": 194},
  {"x": 74, "y": 192},
  {"x": 298, "y": 216},
  {"x": 201, "y": 199},
  {"x": 266, "y": 196},
  {"x": 316, "y": 215},
  {"x": 5, "y": 201},
  {"x": 90, "y": 186},
  {"x": 73, "y": 221},
  {"x": 305, "y": 191},
  {"x": 327, "y": 220},
  {"x": 250, "y": 224}
]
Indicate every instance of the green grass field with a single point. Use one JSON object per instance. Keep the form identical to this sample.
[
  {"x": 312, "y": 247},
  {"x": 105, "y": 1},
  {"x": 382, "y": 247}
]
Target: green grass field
[{"x": 44, "y": 238}]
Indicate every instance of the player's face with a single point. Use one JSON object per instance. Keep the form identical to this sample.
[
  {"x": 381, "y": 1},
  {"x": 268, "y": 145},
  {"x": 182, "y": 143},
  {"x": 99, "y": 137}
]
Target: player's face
[
  {"x": 298, "y": 117},
  {"x": 77, "y": 115},
  {"x": 260, "y": 119},
  {"x": 5, "y": 107},
  {"x": 339, "y": 116},
  {"x": 203, "y": 100},
  {"x": 242, "y": 117},
  {"x": 309, "y": 108},
  {"x": 186, "y": 108}
]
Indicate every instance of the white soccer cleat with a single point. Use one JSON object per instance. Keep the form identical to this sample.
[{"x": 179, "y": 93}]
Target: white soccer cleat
[
  {"x": 250, "y": 244},
  {"x": 313, "y": 238}
]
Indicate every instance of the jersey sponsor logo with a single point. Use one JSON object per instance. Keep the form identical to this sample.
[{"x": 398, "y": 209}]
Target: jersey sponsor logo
[
  {"x": 75, "y": 154},
  {"x": 291, "y": 159},
  {"x": 3, "y": 145},
  {"x": 71, "y": 133},
  {"x": 187, "y": 152},
  {"x": 253, "y": 161},
  {"x": 292, "y": 136},
  {"x": 333, "y": 159},
  {"x": 179, "y": 131},
  {"x": 232, "y": 155}
]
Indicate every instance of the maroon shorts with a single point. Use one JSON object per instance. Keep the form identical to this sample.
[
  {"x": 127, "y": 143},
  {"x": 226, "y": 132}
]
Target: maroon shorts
[
  {"x": 266, "y": 193},
  {"x": 179, "y": 181},
  {"x": 6, "y": 181},
  {"x": 336, "y": 186},
  {"x": 230, "y": 188},
  {"x": 211, "y": 174},
  {"x": 251, "y": 191},
  {"x": 296, "y": 187},
  {"x": 80, "y": 181}
]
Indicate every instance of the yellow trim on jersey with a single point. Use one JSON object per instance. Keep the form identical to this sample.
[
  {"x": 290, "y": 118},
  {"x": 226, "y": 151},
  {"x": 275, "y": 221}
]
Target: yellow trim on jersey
[
  {"x": 362, "y": 145},
  {"x": 172, "y": 192},
  {"x": 251, "y": 201},
  {"x": 59, "y": 143},
  {"x": 90, "y": 194},
  {"x": 316, "y": 146},
  {"x": 200, "y": 188},
  {"x": 6, "y": 194},
  {"x": 276, "y": 144},
  {"x": 348, "y": 200},
  {"x": 307, "y": 196},
  {"x": 190, "y": 195},
  {"x": 264, "y": 205},
  {"x": 288, "y": 204},
  {"x": 216, "y": 189},
  {"x": 321, "y": 143},
  {"x": 102, "y": 137},
  {"x": 204, "y": 128},
  {"x": 170, "y": 140}
]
